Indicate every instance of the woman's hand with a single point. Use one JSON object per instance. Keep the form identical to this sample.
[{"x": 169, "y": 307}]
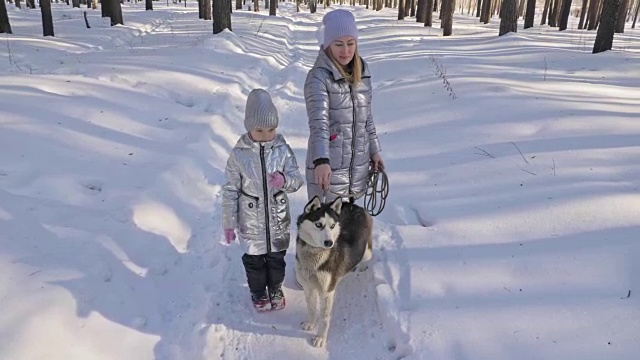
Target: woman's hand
[
  {"x": 322, "y": 175},
  {"x": 376, "y": 160}
]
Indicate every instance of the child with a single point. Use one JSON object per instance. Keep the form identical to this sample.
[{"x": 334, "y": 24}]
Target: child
[{"x": 261, "y": 170}]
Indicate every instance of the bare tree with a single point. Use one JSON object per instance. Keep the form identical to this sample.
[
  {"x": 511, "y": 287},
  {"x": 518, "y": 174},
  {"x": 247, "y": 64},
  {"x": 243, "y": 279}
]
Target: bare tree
[
  {"x": 635, "y": 17},
  {"x": 206, "y": 9},
  {"x": 105, "y": 7},
  {"x": 622, "y": 15},
  {"x": 428, "y": 20},
  {"x": 401, "y": 10},
  {"x": 421, "y": 14},
  {"x": 47, "y": 19},
  {"x": 594, "y": 11},
  {"x": 116, "y": 13},
  {"x": 604, "y": 38},
  {"x": 221, "y": 15},
  {"x": 530, "y": 13},
  {"x": 545, "y": 11},
  {"x": 273, "y": 4},
  {"x": 485, "y": 16},
  {"x": 564, "y": 15},
  {"x": 583, "y": 13},
  {"x": 5, "y": 26},
  {"x": 509, "y": 17},
  {"x": 447, "y": 7},
  {"x": 553, "y": 13}
]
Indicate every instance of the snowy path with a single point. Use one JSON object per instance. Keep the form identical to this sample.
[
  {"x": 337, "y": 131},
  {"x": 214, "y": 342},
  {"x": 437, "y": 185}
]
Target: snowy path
[{"x": 192, "y": 295}]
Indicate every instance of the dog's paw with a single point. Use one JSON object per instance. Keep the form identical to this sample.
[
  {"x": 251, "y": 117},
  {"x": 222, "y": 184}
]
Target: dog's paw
[
  {"x": 307, "y": 326},
  {"x": 318, "y": 341}
]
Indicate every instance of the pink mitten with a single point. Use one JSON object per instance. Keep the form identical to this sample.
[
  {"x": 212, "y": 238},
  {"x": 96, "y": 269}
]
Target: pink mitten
[
  {"x": 229, "y": 235},
  {"x": 276, "y": 180}
]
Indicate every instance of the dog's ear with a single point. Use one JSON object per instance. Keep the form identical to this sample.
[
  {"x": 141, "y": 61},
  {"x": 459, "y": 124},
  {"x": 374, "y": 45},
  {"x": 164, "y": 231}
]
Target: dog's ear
[
  {"x": 312, "y": 205},
  {"x": 336, "y": 205}
]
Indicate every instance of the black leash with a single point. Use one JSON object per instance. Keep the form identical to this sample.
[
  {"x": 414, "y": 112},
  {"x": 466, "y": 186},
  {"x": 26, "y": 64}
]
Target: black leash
[
  {"x": 377, "y": 191},
  {"x": 375, "y": 195}
]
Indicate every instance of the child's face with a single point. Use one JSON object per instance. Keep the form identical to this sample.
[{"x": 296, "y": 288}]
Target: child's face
[{"x": 263, "y": 135}]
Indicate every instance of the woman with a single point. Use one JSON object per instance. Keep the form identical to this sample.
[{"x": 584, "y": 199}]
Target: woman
[{"x": 342, "y": 140}]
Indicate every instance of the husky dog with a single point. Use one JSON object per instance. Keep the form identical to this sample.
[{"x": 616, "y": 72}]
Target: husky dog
[{"x": 333, "y": 240}]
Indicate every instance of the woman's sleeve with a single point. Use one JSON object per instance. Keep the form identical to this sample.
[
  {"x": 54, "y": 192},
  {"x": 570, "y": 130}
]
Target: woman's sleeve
[{"x": 316, "y": 97}]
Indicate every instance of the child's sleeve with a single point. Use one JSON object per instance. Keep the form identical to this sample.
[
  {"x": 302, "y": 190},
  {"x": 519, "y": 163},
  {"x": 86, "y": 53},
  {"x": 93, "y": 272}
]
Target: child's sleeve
[
  {"x": 230, "y": 193},
  {"x": 292, "y": 177}
]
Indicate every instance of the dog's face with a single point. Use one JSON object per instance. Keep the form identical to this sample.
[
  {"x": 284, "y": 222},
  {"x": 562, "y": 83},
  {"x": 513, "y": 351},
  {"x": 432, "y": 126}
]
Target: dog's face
[{"x": 319, "y": 224}]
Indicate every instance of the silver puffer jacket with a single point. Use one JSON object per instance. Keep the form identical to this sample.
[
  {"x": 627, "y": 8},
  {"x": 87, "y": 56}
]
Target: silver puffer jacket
[
  {"x": 263, "y": 226},
  {"x": 341, "y": 127}
]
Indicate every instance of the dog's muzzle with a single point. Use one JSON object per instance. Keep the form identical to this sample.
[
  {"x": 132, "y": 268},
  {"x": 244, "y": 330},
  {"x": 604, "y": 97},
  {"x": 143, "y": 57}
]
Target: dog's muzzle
[{"x": 328, "y": 243}]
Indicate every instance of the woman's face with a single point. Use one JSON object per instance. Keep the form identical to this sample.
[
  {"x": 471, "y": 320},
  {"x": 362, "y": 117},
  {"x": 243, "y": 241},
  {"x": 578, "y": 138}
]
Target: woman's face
[{"x": 342, "y": 49}]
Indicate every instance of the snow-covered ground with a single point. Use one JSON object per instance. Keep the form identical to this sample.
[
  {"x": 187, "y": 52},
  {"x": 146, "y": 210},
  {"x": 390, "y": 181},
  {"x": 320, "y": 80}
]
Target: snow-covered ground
[{"x": 511, "y": 230}]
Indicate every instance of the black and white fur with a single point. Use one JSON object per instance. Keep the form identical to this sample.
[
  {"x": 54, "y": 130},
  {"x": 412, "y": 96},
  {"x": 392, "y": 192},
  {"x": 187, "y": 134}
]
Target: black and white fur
[{"x": 333, "y": 239}]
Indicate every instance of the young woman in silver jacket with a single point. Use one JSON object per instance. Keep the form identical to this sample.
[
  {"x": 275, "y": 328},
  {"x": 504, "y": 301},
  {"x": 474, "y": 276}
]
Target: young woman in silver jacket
[
  {"x": 342, "y": 140},
  {"x": 260, "y": 171}
]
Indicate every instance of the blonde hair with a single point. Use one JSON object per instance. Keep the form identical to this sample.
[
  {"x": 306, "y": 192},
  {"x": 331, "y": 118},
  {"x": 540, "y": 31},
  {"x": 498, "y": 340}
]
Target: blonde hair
[{"x": 352, "y": 72}]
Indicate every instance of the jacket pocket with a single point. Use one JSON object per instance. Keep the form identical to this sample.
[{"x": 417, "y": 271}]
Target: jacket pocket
[
  {"x": 281, "y": 206},
  {"x": 248, "y": 216},
  {"x": 335, "y": 147}
]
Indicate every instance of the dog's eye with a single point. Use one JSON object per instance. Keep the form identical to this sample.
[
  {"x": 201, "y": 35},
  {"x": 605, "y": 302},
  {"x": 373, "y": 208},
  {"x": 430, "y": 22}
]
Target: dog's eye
[
  {"x": 319, "y": 225},
  {"x": 332, "y": 226}
]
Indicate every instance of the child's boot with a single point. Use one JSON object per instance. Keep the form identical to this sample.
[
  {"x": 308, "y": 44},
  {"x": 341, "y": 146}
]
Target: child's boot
[
  {"x": 260, "y": 301},
  {"x": 277, "y": 298}
]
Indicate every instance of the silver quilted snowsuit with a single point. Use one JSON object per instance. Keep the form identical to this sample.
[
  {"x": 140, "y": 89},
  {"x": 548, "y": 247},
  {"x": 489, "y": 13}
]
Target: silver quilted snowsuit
[{"x": 263, "y": 226}]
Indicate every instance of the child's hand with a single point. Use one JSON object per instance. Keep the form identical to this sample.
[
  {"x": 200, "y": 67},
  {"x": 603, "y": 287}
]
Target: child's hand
[
  {"x": 276, "y": 180},
  {"x": 229, "y": 235}
]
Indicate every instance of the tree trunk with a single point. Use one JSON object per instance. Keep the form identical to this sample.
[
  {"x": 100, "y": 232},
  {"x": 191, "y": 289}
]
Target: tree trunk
[
  {"x": 221, "y": 16},
  {"x": 622, "y": 16},
  {"x": 478, "y": 8},
  {"x": 238, "y": 4},
  {"x": 508, "y": 17},
  {"x": 413, "y": 8},
  {"x": 105, "y": 7},
  {"x": 485, "y": 17},
  {"x": 428, "y": 20},
  {"x": 564, "y": 15},
  {"x": 595, "y": 7},
  {"x": 545, "y": 11},
  {"x": 75, "y": 3},
  {"x": 47, "y": 20},
  {"x": 207, "y": 9},
  {"x": 5, "y": 26},
  {"x": 530, "y": 14},
  {"x": 583, "y": 13},
  {"x": 200, "y": 9},
  {"x": 421, "y": 14},
  {"x": 604, "y": 38},
  {"x": 116, "y": 13},
  {"x": 635, "y": 17},
  {"x": 401, "y": 10},
  {"x": 148, "y": 4},
  {"x": 553, "y": 14},
  {"x": 521, "y": 8},
  {"x": 447, "y": 7},
  {"x": 272, "y": 7}
]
